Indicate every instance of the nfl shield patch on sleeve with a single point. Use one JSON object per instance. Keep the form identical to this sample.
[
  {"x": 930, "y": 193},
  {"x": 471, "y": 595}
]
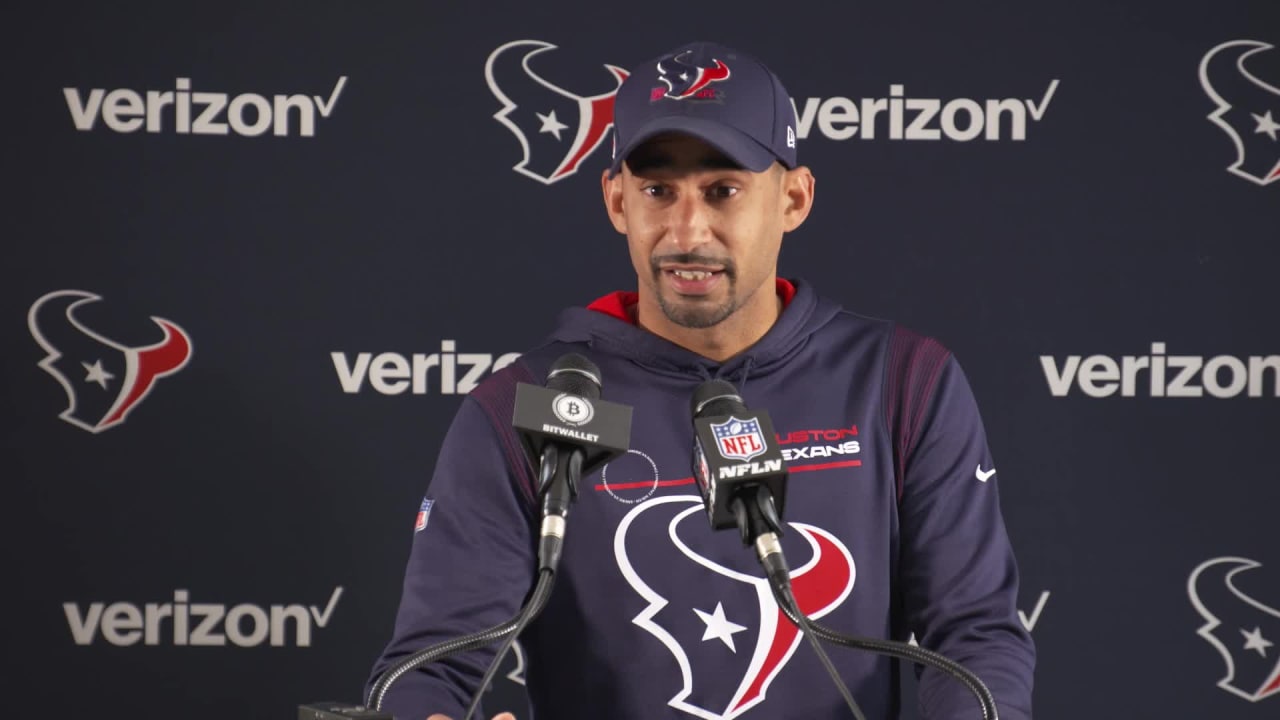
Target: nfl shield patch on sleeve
[{"x": 424, "y": 512}]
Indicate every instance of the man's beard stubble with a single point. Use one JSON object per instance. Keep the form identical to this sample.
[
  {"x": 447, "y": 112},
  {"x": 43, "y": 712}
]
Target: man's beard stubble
[{"x": 696, "y": 313}]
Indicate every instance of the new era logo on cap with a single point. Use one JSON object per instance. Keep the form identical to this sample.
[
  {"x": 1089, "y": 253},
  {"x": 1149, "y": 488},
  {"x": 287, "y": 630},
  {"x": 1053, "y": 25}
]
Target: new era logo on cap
[{"x": 717, "y": 94}]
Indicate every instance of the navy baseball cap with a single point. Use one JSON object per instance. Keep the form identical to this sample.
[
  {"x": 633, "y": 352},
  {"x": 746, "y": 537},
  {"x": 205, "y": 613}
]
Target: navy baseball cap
[{"x": 721, "y": 96}]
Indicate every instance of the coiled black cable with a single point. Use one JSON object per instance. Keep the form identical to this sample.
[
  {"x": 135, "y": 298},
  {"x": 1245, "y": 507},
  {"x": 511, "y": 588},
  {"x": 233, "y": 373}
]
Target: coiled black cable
[
  {"x": 529, "y": 612},
  {"x": 898, "y": 650},
  {"x": 786, "y": 600},
  {"x": 507, "y": 629}
]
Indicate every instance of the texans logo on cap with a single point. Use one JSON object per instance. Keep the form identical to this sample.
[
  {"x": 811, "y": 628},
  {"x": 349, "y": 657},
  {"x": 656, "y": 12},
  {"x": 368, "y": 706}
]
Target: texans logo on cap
[
  {"x": 684, "y": 79},
  {"x": 753, "y": 125}
]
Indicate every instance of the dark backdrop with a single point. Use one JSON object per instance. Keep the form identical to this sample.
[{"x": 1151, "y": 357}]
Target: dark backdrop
[{"x": 355, "y": 205}]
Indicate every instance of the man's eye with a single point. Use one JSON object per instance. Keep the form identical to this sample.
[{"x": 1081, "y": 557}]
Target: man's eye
[
  {"x": 654, "y": 191},
  {"x": 722, "y": 191}
]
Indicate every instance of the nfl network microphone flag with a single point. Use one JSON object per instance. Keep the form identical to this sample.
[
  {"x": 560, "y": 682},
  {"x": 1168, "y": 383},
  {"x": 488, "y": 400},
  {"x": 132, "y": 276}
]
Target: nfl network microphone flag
[{"x": 734, "y": 448}]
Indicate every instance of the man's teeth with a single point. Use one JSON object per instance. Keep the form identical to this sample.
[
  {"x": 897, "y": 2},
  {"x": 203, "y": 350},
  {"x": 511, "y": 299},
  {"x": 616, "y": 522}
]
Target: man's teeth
[{"x": 692, "y": 274}]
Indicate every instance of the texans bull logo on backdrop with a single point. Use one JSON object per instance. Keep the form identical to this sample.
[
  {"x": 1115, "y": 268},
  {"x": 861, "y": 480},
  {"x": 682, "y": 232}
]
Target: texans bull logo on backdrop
[
  {"x": 726, "y": 634},
  {"x": 1248, "y": 108},
  {"x": 685, "y": 79},
  {"x": 104, "y": 379},
  {"x": 1243, "y": 630},
  {"x": 557, "y": 129}
]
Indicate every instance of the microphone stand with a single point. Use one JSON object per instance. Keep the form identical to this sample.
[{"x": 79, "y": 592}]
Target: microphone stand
[
  {"x": 758, "y": 521},
  {"x": 760, "y": 525},
  {"x": 448, "y": 648},
  {"x": 559, "y": 490}
]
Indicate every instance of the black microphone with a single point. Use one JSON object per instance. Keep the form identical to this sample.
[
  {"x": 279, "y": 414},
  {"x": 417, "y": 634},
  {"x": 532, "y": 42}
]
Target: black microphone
[
  {"x": 568, "y": 431},
  {"x": 743, "y": 478},
  {"x": 740, "y": 471},
  {"x": 735, "y": 452}
]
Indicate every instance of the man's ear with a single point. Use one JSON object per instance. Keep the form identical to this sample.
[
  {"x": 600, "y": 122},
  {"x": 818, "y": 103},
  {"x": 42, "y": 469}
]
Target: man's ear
[
  {"x": 797, "y": 188},
  {"x": 612, "y": 191}
]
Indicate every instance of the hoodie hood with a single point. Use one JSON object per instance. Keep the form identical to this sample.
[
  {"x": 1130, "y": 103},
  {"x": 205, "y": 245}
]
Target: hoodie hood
[{"x": 603, "y": 331}]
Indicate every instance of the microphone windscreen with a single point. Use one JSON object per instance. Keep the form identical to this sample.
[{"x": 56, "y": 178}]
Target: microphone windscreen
[
  {"x": 575, "y": 374},
  {"x": 716, "y": 397}
]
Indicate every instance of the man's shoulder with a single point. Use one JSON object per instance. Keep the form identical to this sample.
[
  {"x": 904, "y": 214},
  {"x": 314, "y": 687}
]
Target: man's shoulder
[
  {"x": 897, "y": 337},
  {"x": 911, "y": 360}
]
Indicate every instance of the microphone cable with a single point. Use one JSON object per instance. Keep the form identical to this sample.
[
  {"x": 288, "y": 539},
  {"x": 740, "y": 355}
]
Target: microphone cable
[
  {"x": 527, "y": 614},
  {"x": 439, "y": 651},
  {"x": 758, "y": 521},
  {"x": 904, "y": 651},
  {"x": 769, "y": 551},
  {"x": 559, "y": 473},
  {"x": 562, "y": 490},
  {"x": 791, "y": 609}
]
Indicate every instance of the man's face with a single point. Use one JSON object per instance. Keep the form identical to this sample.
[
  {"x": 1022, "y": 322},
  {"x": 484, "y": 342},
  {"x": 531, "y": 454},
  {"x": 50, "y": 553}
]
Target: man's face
[{"x": 704, "y": 234}]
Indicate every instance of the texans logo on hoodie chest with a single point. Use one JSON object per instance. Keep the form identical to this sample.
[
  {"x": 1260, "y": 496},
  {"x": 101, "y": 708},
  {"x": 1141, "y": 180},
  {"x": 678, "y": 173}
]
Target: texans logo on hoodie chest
[{"x": 704, "y": 602}]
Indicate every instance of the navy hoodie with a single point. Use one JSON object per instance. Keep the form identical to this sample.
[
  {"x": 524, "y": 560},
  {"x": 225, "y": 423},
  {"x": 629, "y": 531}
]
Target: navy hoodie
[{"x": 893, "y": 529}]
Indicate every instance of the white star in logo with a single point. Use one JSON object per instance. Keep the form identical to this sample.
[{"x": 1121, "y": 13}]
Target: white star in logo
[
  {"x": 550, "y": 124},
  {"x": 97, "y": 374},
  {"x": 684, "y": 76},
  {"x": 1255, "y": 641},
  {"x": 718, "y": 627},
  {"x": 1266, "y": 125}
]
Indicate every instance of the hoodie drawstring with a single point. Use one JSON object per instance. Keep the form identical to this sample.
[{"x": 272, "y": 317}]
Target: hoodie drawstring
[
  {"x": 746, "y": 370},
  {"x": 743, "y": 372}
]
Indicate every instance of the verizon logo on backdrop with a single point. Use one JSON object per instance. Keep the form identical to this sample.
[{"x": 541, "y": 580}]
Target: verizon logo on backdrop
[
  {"x": 183, "y": 622},
  {"x": 447, "y": 372},
  {"x": 1161, "y": 374},
  {"x": 902, "y": 117},
  {"x": 185, "y": 109}
]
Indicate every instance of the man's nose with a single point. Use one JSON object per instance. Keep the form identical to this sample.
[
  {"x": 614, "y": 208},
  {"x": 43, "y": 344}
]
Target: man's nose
[{"x": 690, "y": 226}]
